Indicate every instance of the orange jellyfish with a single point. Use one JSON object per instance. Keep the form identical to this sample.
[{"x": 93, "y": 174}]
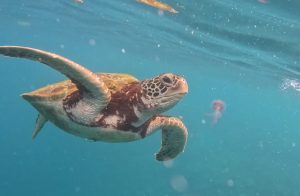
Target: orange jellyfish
[
  {"x": 158, "y": 5},
  {"x": 218, "y": 107}
]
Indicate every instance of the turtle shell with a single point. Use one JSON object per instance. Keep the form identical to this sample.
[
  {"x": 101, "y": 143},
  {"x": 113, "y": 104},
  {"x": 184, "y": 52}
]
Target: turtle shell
[{"x": 58, "y": 91}]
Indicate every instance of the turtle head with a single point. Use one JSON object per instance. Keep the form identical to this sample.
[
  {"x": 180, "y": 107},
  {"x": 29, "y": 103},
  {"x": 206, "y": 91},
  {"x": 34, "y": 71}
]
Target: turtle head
[{"x": 163, "y": 92}]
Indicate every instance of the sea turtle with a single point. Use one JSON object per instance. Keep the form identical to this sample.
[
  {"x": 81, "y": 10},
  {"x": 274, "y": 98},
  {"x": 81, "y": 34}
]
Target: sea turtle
[{"x": 107, "y": 107}]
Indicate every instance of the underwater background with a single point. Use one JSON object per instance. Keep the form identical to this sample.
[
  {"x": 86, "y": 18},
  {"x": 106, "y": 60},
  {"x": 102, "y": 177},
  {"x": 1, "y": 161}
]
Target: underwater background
[{"x": 244, "y": 52}]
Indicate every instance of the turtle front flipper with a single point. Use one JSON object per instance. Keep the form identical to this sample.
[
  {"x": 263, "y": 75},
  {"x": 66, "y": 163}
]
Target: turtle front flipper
[
  {"x": 174, "y": 136},
  {"x": 77, "y": 73},
  {"x": 94, "y": 94}
]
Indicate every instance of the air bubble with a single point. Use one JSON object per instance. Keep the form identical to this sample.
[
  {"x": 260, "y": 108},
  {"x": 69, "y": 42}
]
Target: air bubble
[
  {"x": 77, "y": 189},
  {"x": 168, "y": 163},
  {"x": 160, "y": 12},
  {"x": 230, "y": 183},
  {"x": 24, "y": 23},
  {"x": 179, "y": 183},
  {"x": 92, "y": 42}
]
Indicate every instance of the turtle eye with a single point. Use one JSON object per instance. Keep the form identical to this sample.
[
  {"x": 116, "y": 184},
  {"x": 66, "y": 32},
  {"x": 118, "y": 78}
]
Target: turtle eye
[{"x": 167, "y": 80}]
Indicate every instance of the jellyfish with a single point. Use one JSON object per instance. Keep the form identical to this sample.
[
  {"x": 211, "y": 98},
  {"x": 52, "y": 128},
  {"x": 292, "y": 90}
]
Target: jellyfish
[{"x": 218, "y": 107}]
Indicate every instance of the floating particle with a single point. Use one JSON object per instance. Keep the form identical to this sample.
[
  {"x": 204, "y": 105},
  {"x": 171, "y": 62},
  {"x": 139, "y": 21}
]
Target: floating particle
[
  {"x": 157, "y": 58},
  {"x": 24, "y": 23},
  {"x": 123, "y": 50},
  {"x": 179, "y": 183},
  {"x": 62, "y": 46},
  {"x": 226, "y": 170},
  {"x": 203, "y": 121},
  {"x": 92, "y": 42},
  {"x": 160, "y": 12},
  {"x": 79, "y": 1},
  {"x": 263, "y": 1},
  {"x": 158, "y": 45},
  {"x": 230, "y": 183},
  {"x": 293, "y": 144},
  {"x": 71, "y": 169},
  {"x": 77, "y": 189},
  {"x": 261, "y": 144}
]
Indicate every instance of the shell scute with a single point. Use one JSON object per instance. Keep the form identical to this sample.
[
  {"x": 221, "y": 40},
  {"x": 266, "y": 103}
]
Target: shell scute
[{"x": 114, "y": 81}]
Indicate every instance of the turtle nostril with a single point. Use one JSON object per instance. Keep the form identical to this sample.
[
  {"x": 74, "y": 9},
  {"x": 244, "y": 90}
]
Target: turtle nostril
[{"x": 184, "y": 86}]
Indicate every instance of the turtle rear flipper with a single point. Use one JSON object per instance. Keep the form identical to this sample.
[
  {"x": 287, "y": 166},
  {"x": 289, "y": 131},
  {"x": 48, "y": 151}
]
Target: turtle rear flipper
[
  {"x": 174, "y": 136},
  {"x": 40, "y": 122},
  {"x": 95, "y": 94}
]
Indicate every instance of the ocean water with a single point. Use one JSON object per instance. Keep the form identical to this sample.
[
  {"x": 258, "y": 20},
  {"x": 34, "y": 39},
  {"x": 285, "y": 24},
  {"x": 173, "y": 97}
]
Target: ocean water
[{"x": 244, "y": 52}]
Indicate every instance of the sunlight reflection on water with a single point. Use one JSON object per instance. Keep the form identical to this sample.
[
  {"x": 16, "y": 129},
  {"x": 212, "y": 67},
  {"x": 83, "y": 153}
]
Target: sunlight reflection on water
[{"x": 290, "y": 83}]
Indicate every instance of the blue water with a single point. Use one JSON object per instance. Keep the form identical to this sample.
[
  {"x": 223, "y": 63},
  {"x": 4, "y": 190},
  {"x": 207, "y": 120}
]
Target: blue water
[{"x": 239, "y": 51}]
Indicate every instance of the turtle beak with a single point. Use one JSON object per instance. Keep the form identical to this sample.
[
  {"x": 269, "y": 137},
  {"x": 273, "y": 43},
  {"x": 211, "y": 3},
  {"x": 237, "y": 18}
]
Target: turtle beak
[{"x": 182, "y": 86}]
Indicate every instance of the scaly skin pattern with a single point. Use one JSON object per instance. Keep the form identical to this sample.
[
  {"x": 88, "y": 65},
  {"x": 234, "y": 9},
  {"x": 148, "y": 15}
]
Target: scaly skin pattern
[{"x": 174, "y": 135}]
